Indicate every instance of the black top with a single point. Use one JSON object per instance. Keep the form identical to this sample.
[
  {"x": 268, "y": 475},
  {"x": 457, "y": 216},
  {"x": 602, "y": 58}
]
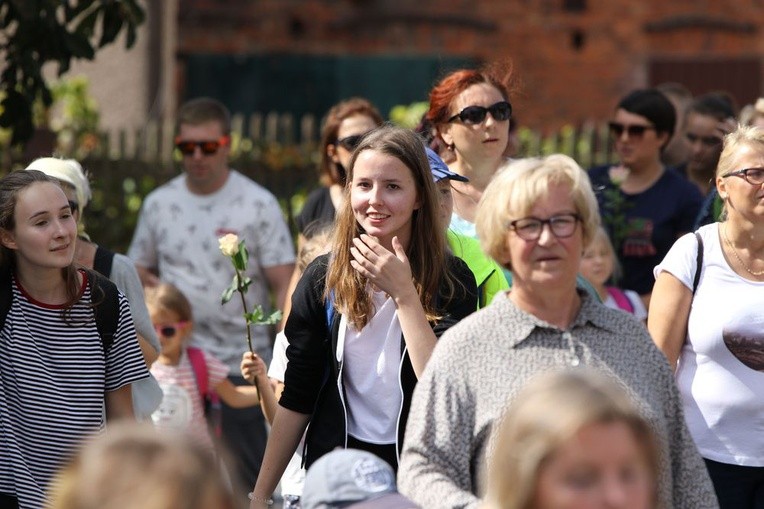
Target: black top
[
  {"x": 313, "y": 372},
  {"x": 317, "y": 212}
]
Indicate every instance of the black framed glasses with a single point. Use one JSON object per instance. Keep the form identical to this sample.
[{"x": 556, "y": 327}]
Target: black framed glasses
[
  {"x": 473, "y": 115},
  {"x": 530, "y": 228},
  {"x": 754, "y": 176},
  {"x": 74, "y": 206},
  {"x": 168, "y": 330},
  {"x": 349, "y": 143},
  {"x": 633, "y": 130},
  {"x": 706, "y": 141},
  {"x": 208, "y": 147}
]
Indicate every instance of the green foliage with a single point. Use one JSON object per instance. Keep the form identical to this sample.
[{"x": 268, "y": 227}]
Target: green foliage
[
  {"x": 408, "y": 116},
  {"x": 38, "y": 32},
  {"x": 76, "y": 118}
]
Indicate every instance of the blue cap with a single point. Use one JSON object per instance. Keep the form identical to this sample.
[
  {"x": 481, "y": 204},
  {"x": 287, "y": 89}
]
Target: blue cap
[{"x": 440, "y": 169}]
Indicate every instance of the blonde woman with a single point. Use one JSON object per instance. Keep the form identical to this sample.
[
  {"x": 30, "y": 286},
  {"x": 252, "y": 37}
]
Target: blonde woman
[
  {"x": 536, "y": 218},
  {"x": 711, "y": 332},
  {"x": 573, "y": 439}
]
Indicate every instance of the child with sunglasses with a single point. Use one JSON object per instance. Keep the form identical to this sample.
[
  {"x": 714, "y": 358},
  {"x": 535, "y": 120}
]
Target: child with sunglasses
[{"x": 182, "y": 408}]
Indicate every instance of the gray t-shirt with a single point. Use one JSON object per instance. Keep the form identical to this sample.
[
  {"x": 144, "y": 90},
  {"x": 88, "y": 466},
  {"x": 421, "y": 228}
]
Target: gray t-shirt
[{"x": 177, "y": 233}]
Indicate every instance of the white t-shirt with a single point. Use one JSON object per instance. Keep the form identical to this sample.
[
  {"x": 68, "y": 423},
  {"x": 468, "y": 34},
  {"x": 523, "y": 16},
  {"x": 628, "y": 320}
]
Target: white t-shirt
[
  {"x": 294, "y": 475},
  {"x": 178, "y": 232},
  {"x": 721, "y": 367},
  {"x": 181, "y": 408},
  {"x": 372, "y": 358}
]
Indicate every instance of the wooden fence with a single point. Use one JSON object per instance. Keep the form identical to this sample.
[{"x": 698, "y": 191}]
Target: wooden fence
[{"x": 278, "y": 151}]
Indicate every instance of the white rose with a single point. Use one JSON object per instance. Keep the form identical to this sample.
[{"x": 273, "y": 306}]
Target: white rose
[
  {"x": 618, "y": 174},
  {"x": 229, "y": 244}
]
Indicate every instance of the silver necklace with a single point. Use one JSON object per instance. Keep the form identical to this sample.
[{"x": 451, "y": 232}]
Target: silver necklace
[{"x": 737, "y": 256}]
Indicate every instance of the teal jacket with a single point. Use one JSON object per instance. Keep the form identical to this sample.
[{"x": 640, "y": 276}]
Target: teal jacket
[{"x": 489, "y": 275}]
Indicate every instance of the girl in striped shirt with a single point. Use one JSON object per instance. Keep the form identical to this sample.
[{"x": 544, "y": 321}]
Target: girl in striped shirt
[{"x": 58, "y": 377}]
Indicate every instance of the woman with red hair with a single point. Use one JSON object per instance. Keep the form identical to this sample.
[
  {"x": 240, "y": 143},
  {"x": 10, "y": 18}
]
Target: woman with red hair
[{"x": 470, "y": 111}]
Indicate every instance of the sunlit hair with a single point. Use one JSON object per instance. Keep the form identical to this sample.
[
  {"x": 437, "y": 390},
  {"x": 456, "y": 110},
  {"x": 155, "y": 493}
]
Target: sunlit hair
[
  {"x": 135, "y": 466},
  {"x": 600, "y": 235},
  {"x": 517, "y": 186},
  {"x": 339, "y": 112},
  {"x": 743, "y": 136},
  {"x": 445, "y": 92},
  {"x": 547, "y": 413},
  {"x": 202, "y": 110},
  {"x": 10, "y": 187},
  {"x": 427, "y": 247},
  {"x": 168, "y": 297}
]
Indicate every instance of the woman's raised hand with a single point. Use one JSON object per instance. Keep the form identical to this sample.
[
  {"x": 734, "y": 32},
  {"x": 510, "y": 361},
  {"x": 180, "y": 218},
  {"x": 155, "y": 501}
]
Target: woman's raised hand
[{"x": 389, "y": 272}]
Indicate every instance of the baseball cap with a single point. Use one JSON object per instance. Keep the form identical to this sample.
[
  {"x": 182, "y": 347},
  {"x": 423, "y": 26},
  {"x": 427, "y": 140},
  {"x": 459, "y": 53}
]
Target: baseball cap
[
  {"x": 439, "y": 168},
  {"x": 352, "y": 479}
]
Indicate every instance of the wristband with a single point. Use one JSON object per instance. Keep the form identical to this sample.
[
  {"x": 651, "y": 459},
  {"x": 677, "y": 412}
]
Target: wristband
[{"x": 267, "y": 501}]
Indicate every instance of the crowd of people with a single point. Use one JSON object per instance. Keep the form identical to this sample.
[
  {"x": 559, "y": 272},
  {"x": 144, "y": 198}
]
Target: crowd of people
[{"x": 495, "y": 332}]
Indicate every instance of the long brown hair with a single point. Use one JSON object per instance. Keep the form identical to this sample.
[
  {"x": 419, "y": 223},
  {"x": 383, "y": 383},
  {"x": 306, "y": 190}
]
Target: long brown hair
[
  {"x": 426, "y": 250},
  {"x": 10, "y": 187}
]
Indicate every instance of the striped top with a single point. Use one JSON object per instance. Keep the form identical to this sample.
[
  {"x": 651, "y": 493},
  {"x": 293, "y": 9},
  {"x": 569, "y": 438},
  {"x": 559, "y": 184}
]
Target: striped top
[{"x": 53, "y": 375}]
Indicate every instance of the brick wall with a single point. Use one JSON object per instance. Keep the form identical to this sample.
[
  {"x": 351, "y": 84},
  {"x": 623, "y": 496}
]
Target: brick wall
[{"x": 572, "y": 66}]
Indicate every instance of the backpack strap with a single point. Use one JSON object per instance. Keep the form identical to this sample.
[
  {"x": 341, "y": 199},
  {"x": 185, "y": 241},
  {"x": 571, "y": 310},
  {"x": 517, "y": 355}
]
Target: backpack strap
[
  {"x": 698, "y": 263},
  {"x": 620, "y": 299},
  {"x": 199, "y": 365},
  {"x": 107, "y": 310},
  {"x": 103, "y": 261}
]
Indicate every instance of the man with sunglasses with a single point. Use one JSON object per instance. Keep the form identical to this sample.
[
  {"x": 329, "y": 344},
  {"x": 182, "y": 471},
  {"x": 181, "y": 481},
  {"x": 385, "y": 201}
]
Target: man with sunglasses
[{"x": 176, "y": 241}]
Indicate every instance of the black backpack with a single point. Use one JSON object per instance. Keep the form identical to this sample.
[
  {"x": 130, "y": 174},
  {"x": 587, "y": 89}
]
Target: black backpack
[{"x": 106, "y": 312}]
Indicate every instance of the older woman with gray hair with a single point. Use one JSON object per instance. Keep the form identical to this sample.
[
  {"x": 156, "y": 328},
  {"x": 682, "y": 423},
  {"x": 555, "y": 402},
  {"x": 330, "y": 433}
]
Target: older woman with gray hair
[{"x": 536, "y": 218}]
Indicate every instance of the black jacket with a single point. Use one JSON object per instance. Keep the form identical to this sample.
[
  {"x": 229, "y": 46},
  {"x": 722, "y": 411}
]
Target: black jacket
[{"x": 313, "y": 383}]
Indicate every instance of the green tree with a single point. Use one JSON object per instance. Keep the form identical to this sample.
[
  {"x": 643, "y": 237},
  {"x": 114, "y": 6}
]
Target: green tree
[{"x": 36, "y": 32}]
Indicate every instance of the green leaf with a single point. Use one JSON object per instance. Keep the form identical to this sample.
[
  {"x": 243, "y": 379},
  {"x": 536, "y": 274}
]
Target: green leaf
[
  {"x": 258, "y": 317},
  {"x": 240, "y": 258},
  {"x": 227, "y": 294}
]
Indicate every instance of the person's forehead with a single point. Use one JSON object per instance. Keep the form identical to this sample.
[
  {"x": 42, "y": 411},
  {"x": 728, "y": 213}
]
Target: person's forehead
[
  {"x": 479, "y": 94},
  {"x": 202, "y": 131}
]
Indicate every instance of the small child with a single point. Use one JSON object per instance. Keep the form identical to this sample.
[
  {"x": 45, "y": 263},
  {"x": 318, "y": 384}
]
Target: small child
[
  {"x": 294, "y": 476},
  {"x": 598, "y": 265},
  {"x": 182, "y": 406}
]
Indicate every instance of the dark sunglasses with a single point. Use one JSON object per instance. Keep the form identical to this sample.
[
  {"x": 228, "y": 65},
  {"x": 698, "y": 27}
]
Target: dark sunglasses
[
  {"x": 349, "y": 143},
  {"x": 634, "y": 130},
  {"x": 168, "y": 330},
  {"x": 473, "y": 115},
  {"x": 74, "y": 206},
  {"x": 208, "y": 147},
  {"x": 708, "y": 141}
]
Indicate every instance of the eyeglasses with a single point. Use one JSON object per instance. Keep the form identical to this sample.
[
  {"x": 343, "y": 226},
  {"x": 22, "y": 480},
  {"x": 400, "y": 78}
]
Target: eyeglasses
[
  {"x": 349, "y": 143},
  {"x": 754, "y": 176},
  {"x": 530, "y": 228},
  {"x": 634, "y": 130},
  {"x": 208, "y": 147},
  {"x": 708, "y": 141},
  {"x": 74, "y": 206},
  {"x": 168, "y": 330},
  {"x": 473, "y": 115}
]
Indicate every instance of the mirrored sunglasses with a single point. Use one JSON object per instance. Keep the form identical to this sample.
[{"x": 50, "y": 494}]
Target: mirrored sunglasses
[
  {"x": 471, "y": 115},
  {"x": 633, "y": 130},
  {"x": 208, "y": 147}
]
